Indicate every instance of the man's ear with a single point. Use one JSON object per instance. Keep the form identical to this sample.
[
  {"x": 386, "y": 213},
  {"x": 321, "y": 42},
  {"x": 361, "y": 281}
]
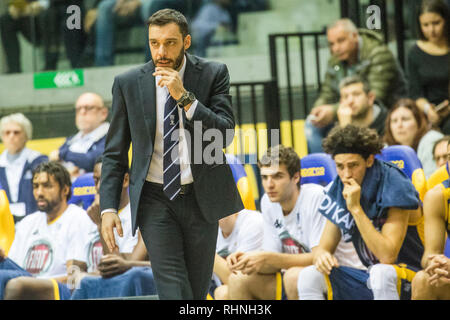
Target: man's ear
[
  {"x": 187, "y": 42},
  {"x": 126, "y": 181},
  {"x": 371, "y": 97},
  {"x": 296, "y": 177},
  {"x": 65, "y": 191},
  {"x": 370, "y": 160}
]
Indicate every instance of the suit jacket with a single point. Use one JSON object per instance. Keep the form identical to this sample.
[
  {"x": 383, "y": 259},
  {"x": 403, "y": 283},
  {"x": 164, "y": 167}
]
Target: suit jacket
[{"x": 134, "y": 120}]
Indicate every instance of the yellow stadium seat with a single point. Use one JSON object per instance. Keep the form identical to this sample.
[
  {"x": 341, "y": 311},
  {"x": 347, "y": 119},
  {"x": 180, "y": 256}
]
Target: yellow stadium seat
[
  {"x": 440, "y": 175},
  {"x": 6, "y": 223}
]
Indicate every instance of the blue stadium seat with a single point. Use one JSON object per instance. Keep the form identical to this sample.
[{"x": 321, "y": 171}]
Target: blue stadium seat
[
  {"x": 447, "y": 248},
  {"x": 318, "y": 168},
  {"x": 242, "y": 183},
  {"x": 406, "y": 159},
  {"x": 83, "y": 190}
]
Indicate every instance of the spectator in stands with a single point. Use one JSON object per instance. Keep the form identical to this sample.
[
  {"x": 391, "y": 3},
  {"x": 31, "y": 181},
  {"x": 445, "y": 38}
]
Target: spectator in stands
[
  {"x": 354, "y": 51},
  {"x": 434, "y": 281},
  {"x": 407, "y": 125},
  {"x": 292, "y": 228},
  {"x": 23, "y": 17},
  {"x": 428, "y": 66},
  {"x": 440, "y": 151},
  {"x": 358, "y": 106},
  {"x": 214, "y": 14},
  {"x": 17, "y": 163},
  {"x": 239, "y": 232},
  {"x": 369, "y": 203},
  {"x": 56, "y": 29},
  {"x": 111, "y": 13},
  {"x": 80, "y": 151},
  {"x": 46, "y": 242}
]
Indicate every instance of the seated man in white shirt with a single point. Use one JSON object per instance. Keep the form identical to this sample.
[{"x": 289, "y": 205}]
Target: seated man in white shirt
[
  {"x": 239, "y": 232},
  {"x": 45, "y": 243},
  {"x": 79, "y": 152}
]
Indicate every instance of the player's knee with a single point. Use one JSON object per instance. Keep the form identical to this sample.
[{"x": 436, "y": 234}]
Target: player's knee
[
  {"x": 311, "y": 284},
  {"x": 238, "y": 283},
  {"x": 419, "y": 285},
  {"x": 221, "y": 293},
  {"x": 15, "y": 289},
  {"x": 290, "y": 278},
  {"x": 382, "y": 276}
]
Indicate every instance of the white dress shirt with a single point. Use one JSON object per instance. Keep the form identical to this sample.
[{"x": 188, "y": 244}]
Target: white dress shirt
[{"x": 155, "y": 172}]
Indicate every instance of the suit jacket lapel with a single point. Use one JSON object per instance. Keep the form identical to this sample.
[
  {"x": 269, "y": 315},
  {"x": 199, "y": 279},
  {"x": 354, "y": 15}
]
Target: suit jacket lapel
[{"x": 148, "y": 97}]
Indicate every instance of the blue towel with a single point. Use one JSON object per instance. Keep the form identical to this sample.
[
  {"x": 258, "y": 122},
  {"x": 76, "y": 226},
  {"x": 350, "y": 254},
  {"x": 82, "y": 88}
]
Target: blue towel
[{"x": 384, "y": 186}]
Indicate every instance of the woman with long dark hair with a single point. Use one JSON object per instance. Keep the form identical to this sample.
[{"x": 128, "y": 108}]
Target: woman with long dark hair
[{"x": 428, "y": 63}]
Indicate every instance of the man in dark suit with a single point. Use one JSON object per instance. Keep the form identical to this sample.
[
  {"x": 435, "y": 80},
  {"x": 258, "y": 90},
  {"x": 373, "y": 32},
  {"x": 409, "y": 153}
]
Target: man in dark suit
[{"x": 177, "y": 194}]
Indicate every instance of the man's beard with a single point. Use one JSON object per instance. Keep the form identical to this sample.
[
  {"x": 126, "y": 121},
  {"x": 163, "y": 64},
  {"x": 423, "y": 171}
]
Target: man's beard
[
  {"x": 178, "y": 60},
  {"x": 361, "y": 114},
  {"x": 49, "y": 206}
]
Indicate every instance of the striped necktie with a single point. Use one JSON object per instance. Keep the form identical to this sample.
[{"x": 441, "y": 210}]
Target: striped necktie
[{"x": 171, "y": 159}]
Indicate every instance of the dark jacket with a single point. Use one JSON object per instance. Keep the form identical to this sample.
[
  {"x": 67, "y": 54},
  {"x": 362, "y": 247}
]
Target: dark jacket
[{"x": 376, "y": 64}]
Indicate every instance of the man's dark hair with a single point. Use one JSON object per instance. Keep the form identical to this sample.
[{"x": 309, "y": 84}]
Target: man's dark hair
[
  {"x": 279, "y": 155},
  {"x": 352, "y": 139},
  {"x": 444, "y": 138},
  {"x": 347, "y": 81},
  {"x": 166, "y": 16},
  {"x": 58, "y": 172}
]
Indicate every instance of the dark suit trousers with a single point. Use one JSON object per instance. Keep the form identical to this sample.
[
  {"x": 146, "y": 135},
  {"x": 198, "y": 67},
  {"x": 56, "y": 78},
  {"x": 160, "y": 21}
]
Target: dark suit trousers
[{"x": 180, "y": 243}]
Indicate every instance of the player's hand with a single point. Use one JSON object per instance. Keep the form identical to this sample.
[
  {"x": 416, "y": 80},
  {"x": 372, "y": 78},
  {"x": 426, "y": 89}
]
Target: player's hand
[
  {"x": 324, "y": 261},
  {"x": 250, "y": 262},
  {"x": 352, "y": 194},
  {"x": 112, "y": 264},
  {"x": 111, "y": 220},
  {"x": 170, "y": 78},
  {"x": 89, "y": 19},
  {"x": 322, "y": 115},
  {"x": 439, "y": 270},
  {"x": 232, "y": 259},
  {"x": 344, "y": 114}
]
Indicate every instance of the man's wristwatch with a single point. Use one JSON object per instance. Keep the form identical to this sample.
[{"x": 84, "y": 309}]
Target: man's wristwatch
[{"x": 186, "y": 98}]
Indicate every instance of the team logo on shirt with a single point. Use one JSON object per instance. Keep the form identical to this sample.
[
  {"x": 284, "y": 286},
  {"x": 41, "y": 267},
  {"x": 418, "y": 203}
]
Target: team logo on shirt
[
  {"x": 39, "y": 257},
  {"x": 95, "y": 253},
  {"x": 290, "y": 245}
]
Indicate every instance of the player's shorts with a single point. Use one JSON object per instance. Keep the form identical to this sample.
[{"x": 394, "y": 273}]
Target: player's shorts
[
  {"x": 60, "y": 290},
  {"x": 10, "y": 270},
  {"x": 138, "y": 281},
  {"x": 405, "y": 275},
  {"x": 345, "y": 283}
]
